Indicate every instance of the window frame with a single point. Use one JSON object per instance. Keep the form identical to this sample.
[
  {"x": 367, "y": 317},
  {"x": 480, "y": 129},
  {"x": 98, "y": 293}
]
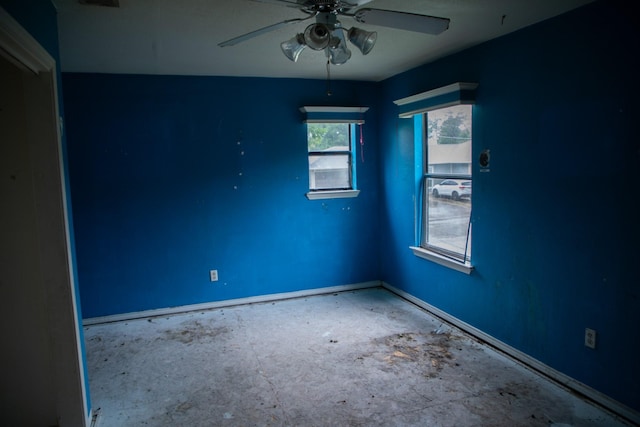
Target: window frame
[
  {"x": 336, "y": 114},
  {"x": 415, "y": 107},
  {"x": 461, "y": 261},
  {"x": 424, "y": 223},
  {"x": 338, "y": 192}
]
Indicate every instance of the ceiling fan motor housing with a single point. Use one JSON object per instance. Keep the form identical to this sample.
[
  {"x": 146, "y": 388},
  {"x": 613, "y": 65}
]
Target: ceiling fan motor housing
[{"x": 327, "y": 18}]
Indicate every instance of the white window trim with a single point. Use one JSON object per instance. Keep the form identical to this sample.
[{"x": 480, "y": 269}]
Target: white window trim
[
  {"x": 332, "y": 194},
  {"x": 413, "y": 102},
  {"x": 340, "y": 114},
  {"x": 442, "y": 260}
]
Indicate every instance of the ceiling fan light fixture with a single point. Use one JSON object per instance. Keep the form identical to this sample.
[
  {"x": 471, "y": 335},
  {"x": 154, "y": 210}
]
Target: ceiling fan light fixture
[
  {"x": 293, "y": 47},
  {"x": 363, "y": 40},
  {"x": 317, "y": 36},
  {"x": 334, "y": 42},
  {"x": 339, "y": 55},
  {"x": 338, "y": 51}
]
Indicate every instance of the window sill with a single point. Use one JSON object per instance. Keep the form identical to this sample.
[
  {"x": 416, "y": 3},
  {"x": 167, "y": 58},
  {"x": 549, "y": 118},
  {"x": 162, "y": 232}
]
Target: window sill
[
  {"x": 338, "y": 194},
  {"x": 444, "y": 261}
]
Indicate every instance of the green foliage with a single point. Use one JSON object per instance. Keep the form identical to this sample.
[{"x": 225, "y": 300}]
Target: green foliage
[
  {"x": 322, "y": 136},
  {"x": 452, "y": 130},
  {"x": 451, "y": 125}
]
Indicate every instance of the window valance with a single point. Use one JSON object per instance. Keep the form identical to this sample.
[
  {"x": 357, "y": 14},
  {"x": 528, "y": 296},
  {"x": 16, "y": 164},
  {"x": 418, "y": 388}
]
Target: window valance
[
  {"x": 327, "y": 114},
  {"x": 453, "y": 94}
]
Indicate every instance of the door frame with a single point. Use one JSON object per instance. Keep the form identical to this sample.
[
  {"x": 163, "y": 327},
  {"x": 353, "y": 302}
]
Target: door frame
[{"x": 46, "y": 154}]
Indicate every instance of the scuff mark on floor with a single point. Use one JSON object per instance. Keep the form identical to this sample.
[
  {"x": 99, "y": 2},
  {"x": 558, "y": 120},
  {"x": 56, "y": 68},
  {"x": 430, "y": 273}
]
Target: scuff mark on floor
[
  {"x": 431, "y": 352},
  {"x": 194, "y": 331}
]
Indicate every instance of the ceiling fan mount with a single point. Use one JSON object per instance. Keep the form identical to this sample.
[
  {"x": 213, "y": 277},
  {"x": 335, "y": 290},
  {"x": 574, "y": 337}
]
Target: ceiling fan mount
[
  {"x": 328, "y": 34},
  {"x": 326, "y": 6}
]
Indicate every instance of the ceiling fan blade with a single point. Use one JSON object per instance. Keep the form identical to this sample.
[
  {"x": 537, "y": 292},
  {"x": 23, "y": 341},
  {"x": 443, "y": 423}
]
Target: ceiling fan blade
[
  {"x": 287, "y": 3},
  {"x": 261, "y": 31},
  {"x": 402, "y": 20}
]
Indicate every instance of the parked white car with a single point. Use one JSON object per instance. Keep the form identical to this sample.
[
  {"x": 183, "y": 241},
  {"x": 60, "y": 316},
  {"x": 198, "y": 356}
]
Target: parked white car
[{"x": 454, "y": 188}]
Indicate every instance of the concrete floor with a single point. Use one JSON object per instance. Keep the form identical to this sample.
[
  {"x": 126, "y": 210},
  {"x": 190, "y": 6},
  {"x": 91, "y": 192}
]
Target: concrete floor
[{"x": 361, "y": 358}]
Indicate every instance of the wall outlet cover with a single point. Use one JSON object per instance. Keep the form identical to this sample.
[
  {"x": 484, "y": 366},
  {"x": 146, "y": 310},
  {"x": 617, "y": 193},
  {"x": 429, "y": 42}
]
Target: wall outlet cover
[{"x": 590, "y": 338}]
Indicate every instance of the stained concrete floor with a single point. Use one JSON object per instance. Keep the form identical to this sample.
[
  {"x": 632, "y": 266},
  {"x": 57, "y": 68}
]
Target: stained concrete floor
[{"x": 361, "y": 358}]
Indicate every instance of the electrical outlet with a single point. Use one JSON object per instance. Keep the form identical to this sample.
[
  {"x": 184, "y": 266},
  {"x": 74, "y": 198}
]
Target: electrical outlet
[
  {"x": 213, "y": 275},
  {"x": 590, "y": 338}
]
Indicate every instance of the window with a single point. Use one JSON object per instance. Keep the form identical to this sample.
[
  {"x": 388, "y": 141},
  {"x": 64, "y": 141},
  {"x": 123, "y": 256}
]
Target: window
[
  {"x": 442, "y": 120},
  {"x": 330, "y": 156},
  {"x": 447, "y": 182},
  {"x": 332, "y": 171},
  {"x": 331, "y": 145}
]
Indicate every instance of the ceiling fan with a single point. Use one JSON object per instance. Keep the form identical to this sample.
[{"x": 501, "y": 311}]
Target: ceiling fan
[{"x": 328, "y": 34}]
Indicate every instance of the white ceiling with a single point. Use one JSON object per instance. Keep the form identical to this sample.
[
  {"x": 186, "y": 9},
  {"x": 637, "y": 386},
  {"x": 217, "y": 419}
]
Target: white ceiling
[{"x": 180, "y": 37}]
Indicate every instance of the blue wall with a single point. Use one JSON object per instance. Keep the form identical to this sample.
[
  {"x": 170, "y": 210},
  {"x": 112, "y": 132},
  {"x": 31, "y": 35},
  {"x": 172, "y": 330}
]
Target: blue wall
[
  {"x": 39, "y": 18},
  {"x": 555, "y": 221},
  {"x": 174, "y": 176}
]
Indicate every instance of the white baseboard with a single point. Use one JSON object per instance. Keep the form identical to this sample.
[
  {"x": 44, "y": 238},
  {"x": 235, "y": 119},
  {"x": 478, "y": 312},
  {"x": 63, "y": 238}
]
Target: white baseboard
[
  {"x": 228, "y": 303},
  {"x": 601, "y": 399}
]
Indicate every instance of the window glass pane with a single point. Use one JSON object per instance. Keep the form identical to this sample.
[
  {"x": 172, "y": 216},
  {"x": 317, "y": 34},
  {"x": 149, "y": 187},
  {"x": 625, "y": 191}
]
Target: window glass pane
[
  {"x": 329, "y": 171},
  {"x": 329, "y": 146},
  {"x": 328, "y": 136},
  {"x": 448, "y": 219},
  {"x": 449, "y": 140}
]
